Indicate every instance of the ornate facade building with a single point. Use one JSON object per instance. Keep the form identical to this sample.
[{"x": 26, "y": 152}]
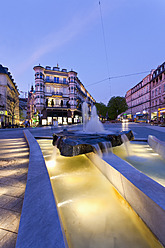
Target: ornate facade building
[
  {"x": 59, "y": 95},
  {"x": 9, "y": 99},
  {"x": 158, "y": 92},
  {"x": 146, "y": 100}
]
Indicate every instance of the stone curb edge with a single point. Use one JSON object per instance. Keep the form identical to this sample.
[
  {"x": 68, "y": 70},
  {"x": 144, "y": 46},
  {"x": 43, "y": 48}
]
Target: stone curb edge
[
  {"x": 39, "y": 224},
  {"x": 145, "y": 196}
]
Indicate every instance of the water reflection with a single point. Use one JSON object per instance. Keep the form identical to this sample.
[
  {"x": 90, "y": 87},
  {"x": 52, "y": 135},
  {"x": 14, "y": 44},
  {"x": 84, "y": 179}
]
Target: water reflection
[
  {"x": 93, "y": 213},
  {"x": 143, "y": 158}
]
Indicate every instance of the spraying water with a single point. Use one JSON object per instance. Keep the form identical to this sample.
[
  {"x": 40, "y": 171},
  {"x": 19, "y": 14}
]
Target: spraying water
[
  {"x": 94, "y": 125},
  {"x": 85, "y": 115},
  {"x": 126, "y": 143}
]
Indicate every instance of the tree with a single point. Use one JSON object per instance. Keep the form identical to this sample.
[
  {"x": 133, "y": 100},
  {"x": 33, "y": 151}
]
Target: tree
[
  {"x": 116, "y": 106},
  {"x": 101, "y": 109}
]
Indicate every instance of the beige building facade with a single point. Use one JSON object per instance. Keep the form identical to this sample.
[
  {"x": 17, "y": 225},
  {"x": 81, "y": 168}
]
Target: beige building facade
[{"x": 9, "y": 99}]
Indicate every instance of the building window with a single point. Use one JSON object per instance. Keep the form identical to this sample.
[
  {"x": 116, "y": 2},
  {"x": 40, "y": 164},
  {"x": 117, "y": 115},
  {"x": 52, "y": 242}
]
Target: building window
[
  {"x": 160, "y": 78},
  {"x": 71, "y": 90},
  {"x": 57, "y": 102},
  {"x": 64, "y": 80},
  {"x": 48, "y": 89},
  {"x": 156, "y": 92},
  {"x": 37, "y": 75},
  {"x": 47, "y": 78},
  {"x": 64, "y": 90}
]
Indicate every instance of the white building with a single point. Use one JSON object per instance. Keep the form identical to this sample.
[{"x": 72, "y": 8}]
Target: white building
[{"x": 59, "y": 95}]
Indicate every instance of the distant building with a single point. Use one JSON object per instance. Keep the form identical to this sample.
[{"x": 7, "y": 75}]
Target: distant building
[
  {"x": 158, "y": 93},
  {"x": 9, "y": 99},
  {"x": 58, "y": 96},
  {"x": 146, "y": 100},
  {"x": 138, "y": 99},
  {"x": 23, "y": 109}
]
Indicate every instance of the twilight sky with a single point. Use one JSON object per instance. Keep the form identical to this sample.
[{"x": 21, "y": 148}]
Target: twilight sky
[{"x": 69, "y": 32}]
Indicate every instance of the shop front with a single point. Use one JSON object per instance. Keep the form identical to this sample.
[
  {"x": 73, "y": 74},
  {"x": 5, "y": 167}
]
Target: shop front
[{"x": 3, "y": 118}]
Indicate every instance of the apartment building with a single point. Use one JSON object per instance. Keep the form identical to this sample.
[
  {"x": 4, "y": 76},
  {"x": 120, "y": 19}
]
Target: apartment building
[
  {"x": 9, "y": 99},
  {"x": 138, "y": 99},
  {"x": 146, "y": 100},
  {"x": 59, "y": 95},
  {"x": 158, "y": 92}
]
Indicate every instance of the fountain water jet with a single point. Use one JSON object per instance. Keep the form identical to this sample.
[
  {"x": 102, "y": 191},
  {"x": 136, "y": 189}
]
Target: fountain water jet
[
  {"x": 126, "y": 143},
  {"x": 85, "y": 115},
  {"x": 94, "y": 125}
]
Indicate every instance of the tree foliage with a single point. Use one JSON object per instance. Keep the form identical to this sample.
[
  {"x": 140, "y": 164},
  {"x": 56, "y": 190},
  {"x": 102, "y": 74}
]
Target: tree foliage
[
  {"x": 116, "y": 106},
  {"x": 101, "y": 109}
]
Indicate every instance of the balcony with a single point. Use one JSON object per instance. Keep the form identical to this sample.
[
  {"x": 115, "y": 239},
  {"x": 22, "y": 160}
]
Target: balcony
[
  {"x": 57, "y": 93},
  {"x": 57, "y": 107},
  {"x": 56, "y": 82}
]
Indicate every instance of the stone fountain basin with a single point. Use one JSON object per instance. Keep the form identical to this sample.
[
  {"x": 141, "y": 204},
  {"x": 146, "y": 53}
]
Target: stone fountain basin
[{"x": 74, "y": 143}]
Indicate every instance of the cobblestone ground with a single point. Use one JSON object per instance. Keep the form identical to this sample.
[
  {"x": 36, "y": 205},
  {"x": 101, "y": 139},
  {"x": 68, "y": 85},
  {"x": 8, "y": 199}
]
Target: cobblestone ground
[{"x": 14, "y": 161}]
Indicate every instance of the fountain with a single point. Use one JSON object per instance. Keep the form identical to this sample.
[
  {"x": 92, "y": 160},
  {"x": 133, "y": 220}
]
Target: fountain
[
  {"x": 93, "y": 210},
  {"x": 85, "y": 115},
  {"x": 94, "y": 125},
  {"x": 93, "y": 135}
]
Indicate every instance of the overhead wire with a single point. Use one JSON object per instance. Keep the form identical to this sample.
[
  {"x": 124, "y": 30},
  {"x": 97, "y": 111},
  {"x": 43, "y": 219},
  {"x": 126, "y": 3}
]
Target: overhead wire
[
  {"x": 105, "y": 46},
  {"x": 120, "y": 76}
]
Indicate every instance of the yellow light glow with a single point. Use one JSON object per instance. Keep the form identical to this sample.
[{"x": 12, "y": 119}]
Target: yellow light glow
[
  {"x": 50, "y": 163},
  {"x": 155, "y": 154},
  {"x": 60, "y": 204}
]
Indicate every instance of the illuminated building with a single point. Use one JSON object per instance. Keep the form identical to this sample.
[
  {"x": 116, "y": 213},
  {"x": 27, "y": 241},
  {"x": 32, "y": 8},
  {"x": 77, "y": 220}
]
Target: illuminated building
[
  {"x": 9, "y": 99},
  {"x": 59, "y": 95},
  {"x": 158, "y": 93},
  {"x": 146, "y": 100},
  {"x": 138, "y": 100}
]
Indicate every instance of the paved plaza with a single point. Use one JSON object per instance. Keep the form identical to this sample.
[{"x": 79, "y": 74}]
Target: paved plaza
[{"x": 14, "y": 159}]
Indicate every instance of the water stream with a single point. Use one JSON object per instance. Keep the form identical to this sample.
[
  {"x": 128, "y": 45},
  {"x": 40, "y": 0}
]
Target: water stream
[
  {"x": 143, "y": 158},
  {"x": 93, "y": 213}
]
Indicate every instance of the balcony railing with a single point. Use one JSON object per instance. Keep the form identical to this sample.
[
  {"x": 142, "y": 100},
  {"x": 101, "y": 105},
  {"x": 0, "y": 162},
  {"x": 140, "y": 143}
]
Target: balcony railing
[
  {"x": 55, "y": 82},
  {"x": 57, "y": 93}
]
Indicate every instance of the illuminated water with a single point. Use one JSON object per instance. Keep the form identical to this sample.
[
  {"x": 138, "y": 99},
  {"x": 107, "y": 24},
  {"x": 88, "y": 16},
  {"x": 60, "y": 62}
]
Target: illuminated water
[
  {"x": 143, "y": 158},
  {"x": 93, "y": 213},
  {"x": 94, "y": 125}
]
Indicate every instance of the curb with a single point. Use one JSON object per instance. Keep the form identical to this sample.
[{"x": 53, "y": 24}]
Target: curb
[
  {"x": 39, "y": 223},
  {"x": 145, "y": 196},
  {"x": 157, "y": 145}
]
